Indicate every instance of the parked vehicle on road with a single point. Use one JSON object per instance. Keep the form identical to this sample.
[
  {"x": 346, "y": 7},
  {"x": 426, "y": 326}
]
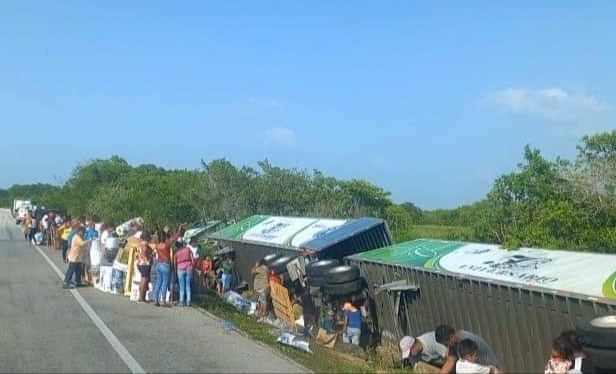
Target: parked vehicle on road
[
  {"x": 21, "y": 208},
  {"x": 17, "y": 204}
]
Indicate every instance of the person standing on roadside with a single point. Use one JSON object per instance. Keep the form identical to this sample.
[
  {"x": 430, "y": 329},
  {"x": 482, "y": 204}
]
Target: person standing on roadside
[
  {"x": 71, "y": 234},
  {"x": 91, "y": 232},
  {"x": 144, "y": 264},
  {"x": 74, "y": 257},
  {"x": 194, "y": 248},
  {"x": 163, "y": 265},
  {"x": 261, "y": 286},
  {"x": 184, "y": 261},
  {"x": 28, "y": 225},
  {"x": 33, "y": 227},
  {"x": 226, "y": 278},
  {"x": 63, "y": 232}
]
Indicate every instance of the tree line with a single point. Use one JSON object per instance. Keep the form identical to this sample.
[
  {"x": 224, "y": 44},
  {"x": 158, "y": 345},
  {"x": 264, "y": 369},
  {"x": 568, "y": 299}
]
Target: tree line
[{"x": 566, "y": 204}]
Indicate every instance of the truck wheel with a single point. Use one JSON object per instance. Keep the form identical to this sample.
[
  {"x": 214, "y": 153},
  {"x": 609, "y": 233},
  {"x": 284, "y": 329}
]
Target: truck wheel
[
  {"x": 269, "y": 259},
  {"x": 345, "y": 288},
  {"x": 600, "y": 360},
  {"x": 341, "y": 274},
  {"x": 315, "y": 281},
  {"x": 317, "y": 269},
  {"x": 279, "y": 265},
  {"x": 599, "y": 332}
]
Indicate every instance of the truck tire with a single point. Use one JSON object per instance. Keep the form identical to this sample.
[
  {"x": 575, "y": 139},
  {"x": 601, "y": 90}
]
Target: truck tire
[
  {"x": 269, "y": 259},
  {"x": 599, "y": 360},
  {"x": 279, "y": 265},
  {"x": 599, "y": 332},
  {"x": 341, "y": 274},
  {"x": 347, "y": 288},
  {"x": 317, "y": 269},
  {"x": 315, "y": 281}
]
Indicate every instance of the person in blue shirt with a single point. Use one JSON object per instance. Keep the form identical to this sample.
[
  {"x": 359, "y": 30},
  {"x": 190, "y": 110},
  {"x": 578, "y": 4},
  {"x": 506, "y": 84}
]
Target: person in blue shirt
[
  {"x": 91, "y": 232},
  {"x": 351, "y": 330}
]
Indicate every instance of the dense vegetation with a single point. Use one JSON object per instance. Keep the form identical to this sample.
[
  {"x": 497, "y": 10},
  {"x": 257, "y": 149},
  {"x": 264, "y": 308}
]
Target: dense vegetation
[{"x": 560, "y": 203}]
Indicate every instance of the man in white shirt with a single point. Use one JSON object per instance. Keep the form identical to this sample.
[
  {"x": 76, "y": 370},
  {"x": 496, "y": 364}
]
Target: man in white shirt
[
  {"x": 98, "y": 226},
  {"x": 194, "y": 248},
  {"x": 423, "y": 353},
  {"x": 45, "y": 222}
]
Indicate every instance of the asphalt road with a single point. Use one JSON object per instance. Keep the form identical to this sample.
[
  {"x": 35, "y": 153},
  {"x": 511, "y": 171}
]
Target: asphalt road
[{"x": 44, "y": 329}]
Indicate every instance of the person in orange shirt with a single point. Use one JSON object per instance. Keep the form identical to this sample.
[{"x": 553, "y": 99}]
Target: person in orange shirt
[{"x": 78, "y": 244}]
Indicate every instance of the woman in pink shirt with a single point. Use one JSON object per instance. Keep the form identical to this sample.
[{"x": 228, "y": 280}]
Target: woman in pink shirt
[{"x": 184, "y": 264}]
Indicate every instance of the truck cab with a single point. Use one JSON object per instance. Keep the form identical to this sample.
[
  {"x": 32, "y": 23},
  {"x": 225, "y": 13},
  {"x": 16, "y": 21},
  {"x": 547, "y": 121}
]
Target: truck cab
[{"x": 21, "y": 208}]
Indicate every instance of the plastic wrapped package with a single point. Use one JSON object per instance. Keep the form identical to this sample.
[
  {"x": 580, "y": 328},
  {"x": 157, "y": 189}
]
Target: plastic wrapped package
[
  {"x": 293, "y": 341},
  {"x": 117, "y": 281},
  {"x": 104, "y": 282},
  {"x": 96, "y": 253},
  {"x": 241, "y": 303},
  {"x": 123, "y": 229}
]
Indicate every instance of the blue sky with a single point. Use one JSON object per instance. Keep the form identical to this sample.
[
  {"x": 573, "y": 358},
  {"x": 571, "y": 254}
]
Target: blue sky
[{"x": 431, "y": 100}]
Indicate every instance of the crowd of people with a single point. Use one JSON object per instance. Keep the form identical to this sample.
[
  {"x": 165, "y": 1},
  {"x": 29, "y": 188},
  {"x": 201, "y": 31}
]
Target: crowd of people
[
  {"x": 446, "y": 350},
  {"x": 158, "y": 255},
  {"x": 153, "y": 254}
]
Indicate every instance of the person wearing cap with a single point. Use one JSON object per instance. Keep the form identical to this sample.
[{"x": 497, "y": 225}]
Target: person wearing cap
[{"x": 352, "y": 324}]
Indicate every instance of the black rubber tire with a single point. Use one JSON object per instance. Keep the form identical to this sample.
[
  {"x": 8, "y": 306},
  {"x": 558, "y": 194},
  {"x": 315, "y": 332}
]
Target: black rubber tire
[
  {"x": 595, "y": 336},
  {"x": 317, "y": 269},
  {"x": 280, "y": 264},
  {"x": 599, "y": 360},
  {"x": 341, "y": 274},
  {"x": 269, "y": 259},
  {"x": 315, "y": 281},
  {"x": 347, "y": 288}
]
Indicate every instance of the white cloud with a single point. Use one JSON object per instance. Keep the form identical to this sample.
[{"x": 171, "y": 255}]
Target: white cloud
[
  {"x": 553, "y": 104},
  {"x": 281, "y": 135}
]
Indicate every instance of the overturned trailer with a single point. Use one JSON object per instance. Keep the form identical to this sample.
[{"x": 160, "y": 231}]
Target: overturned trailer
[
  {"x": 259, "y": 235},
  {"x": 518, "y": 301}
]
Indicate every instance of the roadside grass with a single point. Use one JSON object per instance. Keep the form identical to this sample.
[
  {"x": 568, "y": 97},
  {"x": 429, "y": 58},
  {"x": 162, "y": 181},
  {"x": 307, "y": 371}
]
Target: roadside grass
[{"x": 322, "y": 360}]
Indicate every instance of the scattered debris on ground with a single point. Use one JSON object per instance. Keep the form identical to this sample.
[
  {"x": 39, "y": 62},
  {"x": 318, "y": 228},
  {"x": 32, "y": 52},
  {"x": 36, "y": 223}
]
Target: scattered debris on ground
[{"x": 341, "y": 359}]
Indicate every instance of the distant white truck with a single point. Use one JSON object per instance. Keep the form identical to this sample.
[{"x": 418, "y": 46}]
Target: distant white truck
[{"x": 20, "y": 209}]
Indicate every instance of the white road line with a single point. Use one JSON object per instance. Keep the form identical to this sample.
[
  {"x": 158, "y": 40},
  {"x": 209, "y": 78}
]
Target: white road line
[{"x": 128, "y": 359}]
